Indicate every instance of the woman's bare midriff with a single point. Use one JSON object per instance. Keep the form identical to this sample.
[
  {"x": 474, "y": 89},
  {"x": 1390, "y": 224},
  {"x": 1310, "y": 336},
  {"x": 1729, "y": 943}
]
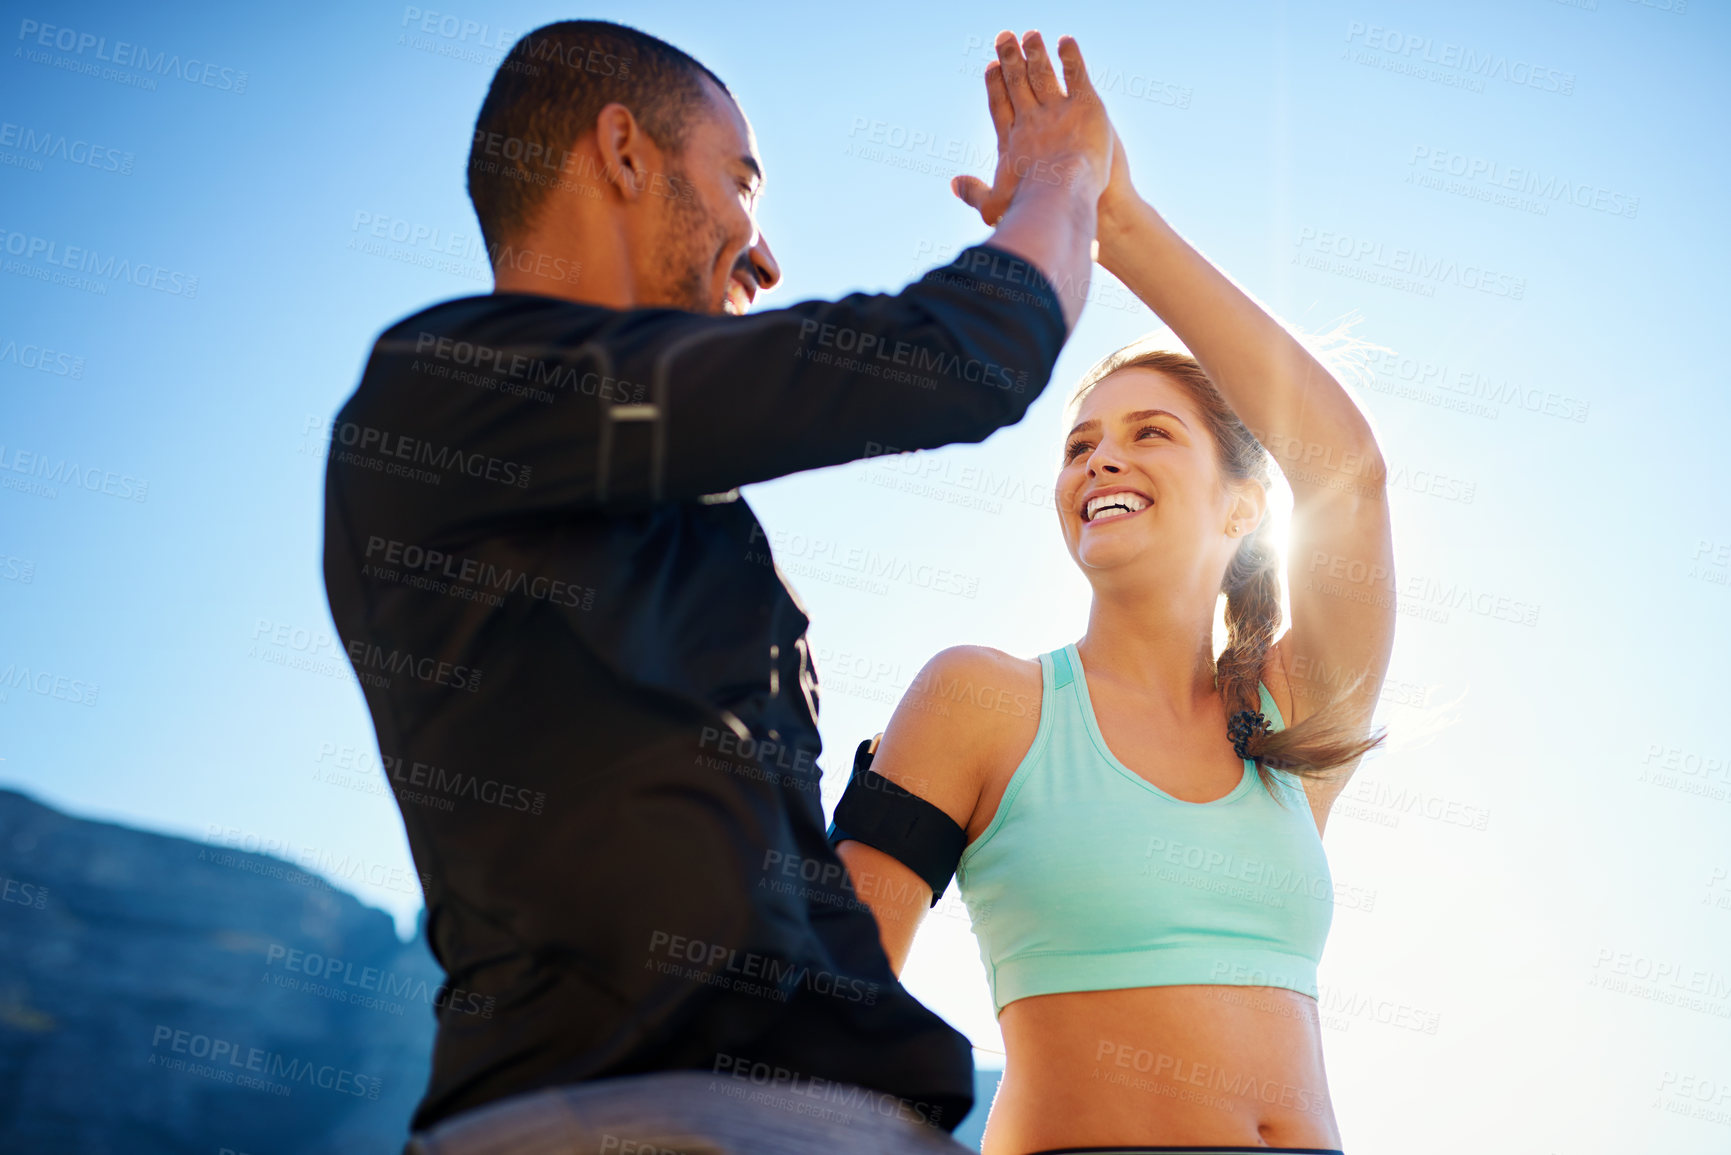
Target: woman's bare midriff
[{"x": 1162, "y": 1066}]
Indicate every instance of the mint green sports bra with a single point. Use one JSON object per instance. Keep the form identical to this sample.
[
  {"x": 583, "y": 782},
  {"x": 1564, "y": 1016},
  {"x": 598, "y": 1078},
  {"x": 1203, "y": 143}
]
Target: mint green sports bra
[{"x": 1092, "y": 878}]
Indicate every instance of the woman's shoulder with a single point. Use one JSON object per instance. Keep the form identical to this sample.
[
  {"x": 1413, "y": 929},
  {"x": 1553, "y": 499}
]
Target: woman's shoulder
[
  {"x": 982, "y": 699},
  {"x": 968, "y": 717},
  {"x": 962, "y": 672},
  {"x": 973, "y": 701}
]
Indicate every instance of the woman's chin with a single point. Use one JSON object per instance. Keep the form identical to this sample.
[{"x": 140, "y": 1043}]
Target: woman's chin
[{"x": 1103, "y": 554}]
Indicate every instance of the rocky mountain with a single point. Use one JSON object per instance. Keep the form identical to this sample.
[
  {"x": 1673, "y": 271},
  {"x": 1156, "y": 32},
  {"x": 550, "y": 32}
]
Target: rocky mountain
[{"x": 161, "y": 996}]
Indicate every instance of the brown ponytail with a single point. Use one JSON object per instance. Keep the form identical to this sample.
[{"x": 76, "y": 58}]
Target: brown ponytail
[{"x": 1325, "y": 740}]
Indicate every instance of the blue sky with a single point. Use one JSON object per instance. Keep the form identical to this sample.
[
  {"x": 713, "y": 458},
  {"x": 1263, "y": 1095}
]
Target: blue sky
[{"x": 1522, "y": 202}]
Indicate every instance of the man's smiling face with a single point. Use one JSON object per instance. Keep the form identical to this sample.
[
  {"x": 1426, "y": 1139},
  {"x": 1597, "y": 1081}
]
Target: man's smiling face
[{"x": 708, "y": 255}]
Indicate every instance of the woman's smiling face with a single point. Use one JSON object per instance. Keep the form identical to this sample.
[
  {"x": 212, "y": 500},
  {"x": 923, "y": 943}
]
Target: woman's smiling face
[{"x": 1140, "y": 477}]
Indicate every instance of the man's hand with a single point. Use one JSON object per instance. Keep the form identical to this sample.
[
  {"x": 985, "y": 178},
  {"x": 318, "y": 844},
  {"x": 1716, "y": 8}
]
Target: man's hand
[{"x": 1046, "y": 135}]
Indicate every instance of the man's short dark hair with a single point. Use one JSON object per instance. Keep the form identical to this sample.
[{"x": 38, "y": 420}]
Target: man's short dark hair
[{"x": 547, "y": 93}]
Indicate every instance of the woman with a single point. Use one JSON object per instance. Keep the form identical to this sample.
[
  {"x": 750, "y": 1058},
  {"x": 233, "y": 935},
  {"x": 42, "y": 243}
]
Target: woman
[{"x": 1143, "y": 858}]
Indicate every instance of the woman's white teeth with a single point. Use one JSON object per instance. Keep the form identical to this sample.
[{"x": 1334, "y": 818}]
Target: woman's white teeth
[{"x": 1113, "y": 505}]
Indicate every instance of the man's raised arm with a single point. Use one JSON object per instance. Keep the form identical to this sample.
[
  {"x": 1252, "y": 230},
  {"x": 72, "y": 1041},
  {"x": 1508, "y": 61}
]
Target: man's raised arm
[{"x": 646, "y": 405}]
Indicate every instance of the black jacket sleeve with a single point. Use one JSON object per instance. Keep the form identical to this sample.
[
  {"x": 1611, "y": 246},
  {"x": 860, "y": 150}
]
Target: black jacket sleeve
[{"x": 551, "y": 406}]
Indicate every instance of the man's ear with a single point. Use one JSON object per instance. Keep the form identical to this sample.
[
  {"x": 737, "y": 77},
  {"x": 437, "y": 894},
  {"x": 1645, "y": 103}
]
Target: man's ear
[{"x": 627, "y": 154}]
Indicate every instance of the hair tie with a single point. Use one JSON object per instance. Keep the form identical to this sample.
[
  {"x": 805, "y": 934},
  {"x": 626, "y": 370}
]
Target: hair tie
[{"x": 1242, "y": 726}]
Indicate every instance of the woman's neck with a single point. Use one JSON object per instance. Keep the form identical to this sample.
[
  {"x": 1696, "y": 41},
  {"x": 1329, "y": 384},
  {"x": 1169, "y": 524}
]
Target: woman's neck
[{"x": 1152, "y": 645}]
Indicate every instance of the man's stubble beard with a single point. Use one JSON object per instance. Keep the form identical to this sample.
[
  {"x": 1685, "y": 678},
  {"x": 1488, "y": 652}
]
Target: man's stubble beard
[{"x": 684, "y": 258}]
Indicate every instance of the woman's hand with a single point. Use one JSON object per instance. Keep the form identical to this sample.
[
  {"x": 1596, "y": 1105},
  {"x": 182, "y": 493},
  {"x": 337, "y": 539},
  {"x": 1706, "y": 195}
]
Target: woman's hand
[{"x": 1117, "y": 205}]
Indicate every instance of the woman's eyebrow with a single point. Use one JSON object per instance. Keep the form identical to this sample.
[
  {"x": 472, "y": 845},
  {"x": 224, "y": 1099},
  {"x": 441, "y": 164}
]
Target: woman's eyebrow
[{"x": 1129, "y": 418}]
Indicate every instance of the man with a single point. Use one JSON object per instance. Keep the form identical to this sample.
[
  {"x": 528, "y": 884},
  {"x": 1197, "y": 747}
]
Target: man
[{"x": 591, "y": 686}]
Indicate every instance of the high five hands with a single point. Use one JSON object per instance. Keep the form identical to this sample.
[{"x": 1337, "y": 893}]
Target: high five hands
[{"x": 1045, "y": 133}]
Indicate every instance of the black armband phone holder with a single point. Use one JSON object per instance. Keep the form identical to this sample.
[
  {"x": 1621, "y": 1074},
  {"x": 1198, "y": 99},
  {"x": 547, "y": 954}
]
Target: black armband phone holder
[{"x": 877, "y": 812}]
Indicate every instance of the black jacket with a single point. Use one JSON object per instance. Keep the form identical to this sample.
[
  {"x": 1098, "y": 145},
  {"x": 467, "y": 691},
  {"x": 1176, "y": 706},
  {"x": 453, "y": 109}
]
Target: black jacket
[{"x": 591, "y": 686}]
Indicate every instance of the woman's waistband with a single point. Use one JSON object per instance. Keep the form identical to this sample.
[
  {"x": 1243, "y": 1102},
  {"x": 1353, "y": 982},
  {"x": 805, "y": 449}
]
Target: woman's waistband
[{"x": 1189, "y": 1151}]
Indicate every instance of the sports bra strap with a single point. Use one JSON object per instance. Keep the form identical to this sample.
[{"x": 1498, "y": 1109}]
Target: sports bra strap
[{"x": 1061, "y": 672}]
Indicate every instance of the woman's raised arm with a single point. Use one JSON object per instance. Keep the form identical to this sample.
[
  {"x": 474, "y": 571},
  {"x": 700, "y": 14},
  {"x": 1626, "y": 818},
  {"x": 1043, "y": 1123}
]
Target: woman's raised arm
[{"x": 1340, "y": 559}]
